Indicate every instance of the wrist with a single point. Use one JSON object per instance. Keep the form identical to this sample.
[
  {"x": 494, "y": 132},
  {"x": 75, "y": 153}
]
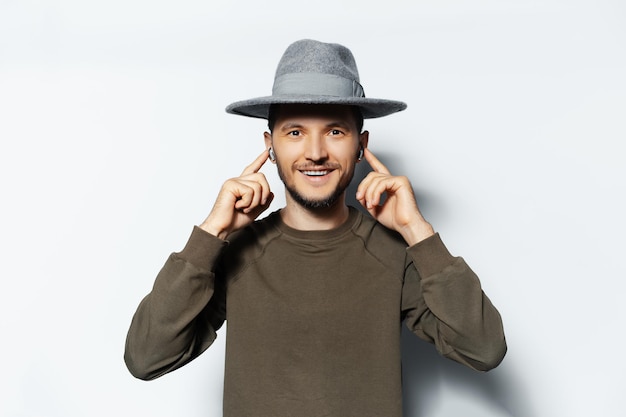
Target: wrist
[
  {"x": 213, "y": 229},
  {"x": 415, "y": 233}
]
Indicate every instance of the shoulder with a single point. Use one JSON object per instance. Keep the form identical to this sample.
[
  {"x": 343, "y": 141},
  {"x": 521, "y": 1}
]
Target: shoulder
[
  {"x": 374, "y": 232},
  {"x": 385, "y": 244},
  {"x": 249, "y": 242}
]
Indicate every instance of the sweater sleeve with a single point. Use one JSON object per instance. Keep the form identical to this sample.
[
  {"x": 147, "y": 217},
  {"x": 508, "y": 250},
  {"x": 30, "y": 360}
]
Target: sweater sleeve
[
  {"x": 179, "y": 318},
  {"x": 443, "y": 303}
]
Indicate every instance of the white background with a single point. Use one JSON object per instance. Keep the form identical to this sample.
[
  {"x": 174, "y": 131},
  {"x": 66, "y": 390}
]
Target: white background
[{"x": 114, "y": 143}]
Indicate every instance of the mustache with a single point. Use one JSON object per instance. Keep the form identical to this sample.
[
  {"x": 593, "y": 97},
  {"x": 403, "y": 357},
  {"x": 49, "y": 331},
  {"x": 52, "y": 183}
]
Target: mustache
[{"x": 313, "y": 165}]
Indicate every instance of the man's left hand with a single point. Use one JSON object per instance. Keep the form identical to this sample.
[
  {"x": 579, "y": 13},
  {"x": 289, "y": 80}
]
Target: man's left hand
[{"x": 399, "y": 211}]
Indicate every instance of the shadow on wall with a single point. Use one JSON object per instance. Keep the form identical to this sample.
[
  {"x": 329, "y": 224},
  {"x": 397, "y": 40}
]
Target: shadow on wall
[{"x": 425, "y": 372}]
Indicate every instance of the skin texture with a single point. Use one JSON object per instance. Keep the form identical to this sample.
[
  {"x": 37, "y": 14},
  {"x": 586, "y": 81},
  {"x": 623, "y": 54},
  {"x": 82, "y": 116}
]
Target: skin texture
[{"x": 316, "y": 149}]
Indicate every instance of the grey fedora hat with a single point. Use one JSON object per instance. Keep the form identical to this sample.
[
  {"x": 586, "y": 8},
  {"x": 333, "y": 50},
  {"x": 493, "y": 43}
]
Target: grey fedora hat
[{"x": 312, "y": 72}]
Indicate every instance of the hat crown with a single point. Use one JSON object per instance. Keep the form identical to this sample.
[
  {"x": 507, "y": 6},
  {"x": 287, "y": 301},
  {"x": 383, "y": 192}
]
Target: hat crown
[
  {"x": 310, "y": 56},
  {"x": 316, "y": 73}
]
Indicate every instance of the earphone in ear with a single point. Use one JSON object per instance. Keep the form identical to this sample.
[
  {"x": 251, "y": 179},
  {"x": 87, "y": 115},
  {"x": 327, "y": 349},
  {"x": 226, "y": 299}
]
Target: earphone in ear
[
  {"x": 360, "y": 155},
  {"x": 272, "y": 154}
]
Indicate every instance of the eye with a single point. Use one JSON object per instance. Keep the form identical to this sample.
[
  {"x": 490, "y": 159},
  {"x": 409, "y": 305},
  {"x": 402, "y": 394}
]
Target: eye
[
  {"x": 336, "y": 132},
  {"x": 293, "y": 133}
]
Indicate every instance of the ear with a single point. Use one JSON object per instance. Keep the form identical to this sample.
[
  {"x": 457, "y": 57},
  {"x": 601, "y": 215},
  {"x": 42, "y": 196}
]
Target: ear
[
  {"x": 267, "y": 136},
  {"x": 363, "y": 141},
  {"x": 364, "y": 138}
]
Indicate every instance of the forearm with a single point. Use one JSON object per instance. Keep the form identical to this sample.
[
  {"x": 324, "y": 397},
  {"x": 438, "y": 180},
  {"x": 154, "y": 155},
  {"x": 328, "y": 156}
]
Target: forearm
[
  {"x": 177, "y": 320},
  {"x": 457, "y": 316}
]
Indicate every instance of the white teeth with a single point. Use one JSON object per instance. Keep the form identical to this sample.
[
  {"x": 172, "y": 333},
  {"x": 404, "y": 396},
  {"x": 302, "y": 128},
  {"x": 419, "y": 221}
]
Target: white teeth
[{"x": 315, "y": 173}]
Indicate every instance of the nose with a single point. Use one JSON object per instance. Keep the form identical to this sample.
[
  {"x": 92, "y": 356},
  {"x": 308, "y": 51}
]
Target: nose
[{"x": 316, "y": 148}]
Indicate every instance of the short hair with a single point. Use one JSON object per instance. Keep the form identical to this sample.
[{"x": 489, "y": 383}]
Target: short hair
[{"x": 272, "y": 115}]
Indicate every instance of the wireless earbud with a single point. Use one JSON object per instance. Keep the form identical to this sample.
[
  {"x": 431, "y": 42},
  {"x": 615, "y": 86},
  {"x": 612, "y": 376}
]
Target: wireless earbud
[
  {"x": 272, "y": 154},
  {"x": 360, "y": 155}
]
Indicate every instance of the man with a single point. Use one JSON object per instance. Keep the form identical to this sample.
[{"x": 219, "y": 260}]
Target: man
[{"x": 314, "y": 293}]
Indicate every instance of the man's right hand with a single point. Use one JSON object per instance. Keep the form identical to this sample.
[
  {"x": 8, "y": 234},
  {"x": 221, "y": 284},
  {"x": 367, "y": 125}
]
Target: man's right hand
[{"x": 240, "y": 201}]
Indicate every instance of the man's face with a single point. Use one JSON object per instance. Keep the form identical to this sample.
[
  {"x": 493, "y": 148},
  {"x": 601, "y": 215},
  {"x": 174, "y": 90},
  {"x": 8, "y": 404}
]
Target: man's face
[{"x": 316, "y": 150}]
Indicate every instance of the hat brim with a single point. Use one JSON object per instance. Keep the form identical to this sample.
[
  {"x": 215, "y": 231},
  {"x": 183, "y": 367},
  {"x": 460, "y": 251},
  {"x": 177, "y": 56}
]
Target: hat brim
[{"x": 370, "y": 107}]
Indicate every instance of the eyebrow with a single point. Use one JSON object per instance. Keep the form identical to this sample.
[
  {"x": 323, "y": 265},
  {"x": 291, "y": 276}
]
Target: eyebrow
[
  {"x": 289, "y": 126},
  {"x": 295, "y": 125}
]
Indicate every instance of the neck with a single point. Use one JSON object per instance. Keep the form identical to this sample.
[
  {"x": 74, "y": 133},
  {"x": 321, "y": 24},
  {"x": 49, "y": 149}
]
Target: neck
[{"x": 300, "y": 218}]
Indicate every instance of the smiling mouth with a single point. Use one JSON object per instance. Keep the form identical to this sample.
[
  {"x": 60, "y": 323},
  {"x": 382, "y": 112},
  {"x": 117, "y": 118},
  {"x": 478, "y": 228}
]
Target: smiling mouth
[{"x": 315, "y": 173}]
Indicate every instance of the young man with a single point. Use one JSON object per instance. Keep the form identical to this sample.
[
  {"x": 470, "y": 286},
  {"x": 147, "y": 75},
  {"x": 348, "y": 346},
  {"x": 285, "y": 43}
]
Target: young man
[{"x": 314, "y": 293}]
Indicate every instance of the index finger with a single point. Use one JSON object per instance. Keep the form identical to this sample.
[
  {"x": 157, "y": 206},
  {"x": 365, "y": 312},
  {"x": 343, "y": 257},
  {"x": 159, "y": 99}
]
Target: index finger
[
  {"x": 375, "y": 163},
  {"x": 257, "y": 164}
]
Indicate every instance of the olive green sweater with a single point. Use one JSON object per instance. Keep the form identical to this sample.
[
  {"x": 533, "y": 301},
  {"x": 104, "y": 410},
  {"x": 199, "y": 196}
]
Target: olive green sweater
[{"x": 313, "y": 317}]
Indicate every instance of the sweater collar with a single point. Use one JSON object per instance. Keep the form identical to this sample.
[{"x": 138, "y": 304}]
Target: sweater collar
[{"x": 354, "y": 217}]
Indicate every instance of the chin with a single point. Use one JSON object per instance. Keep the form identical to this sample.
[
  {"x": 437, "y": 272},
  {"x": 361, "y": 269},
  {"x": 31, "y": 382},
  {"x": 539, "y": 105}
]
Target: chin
[{"x": 315, "y": 203}]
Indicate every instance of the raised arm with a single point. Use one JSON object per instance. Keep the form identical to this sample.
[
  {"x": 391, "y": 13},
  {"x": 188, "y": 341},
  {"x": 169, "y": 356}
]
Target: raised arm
[
  {"x": 442, "y": 299},
  {"x": 179, "y": 318}
]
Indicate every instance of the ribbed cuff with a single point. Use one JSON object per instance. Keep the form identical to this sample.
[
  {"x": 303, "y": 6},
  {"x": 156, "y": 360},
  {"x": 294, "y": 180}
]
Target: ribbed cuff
[
  {"x": 202, "y": 249},
  {"x": 430, "y": 255}
]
